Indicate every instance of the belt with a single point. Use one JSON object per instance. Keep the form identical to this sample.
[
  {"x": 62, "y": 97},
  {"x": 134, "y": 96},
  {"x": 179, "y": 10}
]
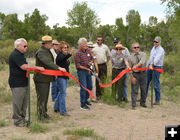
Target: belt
[
  {"x": 102, "y": 64},
  {"x": 139, "y": 71}
]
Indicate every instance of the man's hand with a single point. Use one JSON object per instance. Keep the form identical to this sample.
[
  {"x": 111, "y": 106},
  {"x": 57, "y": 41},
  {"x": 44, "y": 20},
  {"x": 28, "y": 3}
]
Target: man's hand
[
  {"x": 90, "y": 63},
  {"x": 41, "y": 68},
  {"x": 62, "y": 69},
  {"x": 151, "y": 67},
  {"x": 133, "y": 79}
]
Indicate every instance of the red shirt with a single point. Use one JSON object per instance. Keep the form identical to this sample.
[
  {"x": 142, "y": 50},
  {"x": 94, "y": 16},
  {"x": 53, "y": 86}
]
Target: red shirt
[{"x": 83, "y": 57}]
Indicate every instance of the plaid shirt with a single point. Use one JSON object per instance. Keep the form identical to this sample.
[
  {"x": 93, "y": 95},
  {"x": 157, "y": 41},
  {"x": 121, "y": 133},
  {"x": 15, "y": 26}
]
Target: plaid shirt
[{"x": 83, "y": 57}]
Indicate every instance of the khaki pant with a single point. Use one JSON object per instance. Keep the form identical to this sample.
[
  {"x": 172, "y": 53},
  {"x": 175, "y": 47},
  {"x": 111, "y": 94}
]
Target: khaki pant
[{"x": 19, "y": 102}]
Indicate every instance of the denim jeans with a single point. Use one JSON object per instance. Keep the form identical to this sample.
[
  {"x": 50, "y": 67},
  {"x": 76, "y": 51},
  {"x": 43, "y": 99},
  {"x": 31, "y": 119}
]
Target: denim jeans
[
  {"x": 156, "y": 76},
  {"x": 125, "y": 87},
  {"x": 54, "y": 90},
  {"x": 85, "y": 79},
  {"x": 60, "y": 103}
]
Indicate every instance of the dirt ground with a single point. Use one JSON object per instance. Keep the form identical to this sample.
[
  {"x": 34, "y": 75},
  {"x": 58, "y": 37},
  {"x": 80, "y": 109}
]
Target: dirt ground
[{"x": 109, "y": 121}]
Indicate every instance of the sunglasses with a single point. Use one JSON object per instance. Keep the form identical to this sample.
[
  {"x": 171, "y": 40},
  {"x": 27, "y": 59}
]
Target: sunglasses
[
  {"x": 118, "y": 49},
  {"x": 25, "y": 46},
  {"x": 65, "y": 47},
  {"x": 136, "y": 47},
  {"x": 156, "y": 42}
]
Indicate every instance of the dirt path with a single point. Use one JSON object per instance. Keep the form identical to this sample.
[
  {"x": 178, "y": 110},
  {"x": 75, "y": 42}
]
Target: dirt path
[{"x": 111, "y": 122}]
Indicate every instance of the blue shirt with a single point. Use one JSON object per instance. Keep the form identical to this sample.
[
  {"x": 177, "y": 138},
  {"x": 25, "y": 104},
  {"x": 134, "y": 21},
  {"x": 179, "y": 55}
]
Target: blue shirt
[{"x": 156, "y": 56}]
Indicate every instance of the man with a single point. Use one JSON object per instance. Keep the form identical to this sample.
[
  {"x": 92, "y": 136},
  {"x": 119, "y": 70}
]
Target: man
[
  {"x": 18, "y": 81},
  {"x": 138, "y": 78},
  {"x": 94, "y": 68},
  {"x": 83, "y": 60},
  {"x": 54, "y": 88},
  {"x": 127, "y": 54},
  {"x": 155, "y": 61},
  {"x": 45, "y": 59},
  {"x": 102, "y": 53}
]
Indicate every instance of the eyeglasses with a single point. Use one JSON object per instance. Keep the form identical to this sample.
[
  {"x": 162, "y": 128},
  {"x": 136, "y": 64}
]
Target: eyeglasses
[
  {"x": 25, "y": 46},
  {"x": 136, "y": 47},
  {"x": 65, "y": 47},
  {"x": 118, "y": 49},
  {"x": 156, "y": 42}
]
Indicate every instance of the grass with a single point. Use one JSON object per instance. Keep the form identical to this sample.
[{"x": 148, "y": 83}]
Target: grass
[
  {"x": 37, "y": 127},
  {"x": 2, "y": 123},
  {"x": 84, "y": 133},
  {"x": 5, "y": 95}
]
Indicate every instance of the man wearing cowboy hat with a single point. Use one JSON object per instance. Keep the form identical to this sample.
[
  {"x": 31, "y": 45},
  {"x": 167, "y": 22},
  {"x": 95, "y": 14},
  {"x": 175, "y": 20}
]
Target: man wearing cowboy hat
[
  {"x": 138, "y": 78},
  {"x": 45, "y": 59}
]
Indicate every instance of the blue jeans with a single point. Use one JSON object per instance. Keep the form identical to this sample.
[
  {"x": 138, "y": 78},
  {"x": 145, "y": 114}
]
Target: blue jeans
[
  {"x": 85, "y": 79},
  {"x": 60, "y": 103},
  {"x": 54, "y": 90},
  {"x": 125, "y": 87},
  {"x": 156, "y": 76}
]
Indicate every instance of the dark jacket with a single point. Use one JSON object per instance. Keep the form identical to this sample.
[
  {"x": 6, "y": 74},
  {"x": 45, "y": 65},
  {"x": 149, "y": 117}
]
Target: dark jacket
[
  {"x": 44, "y": 58},
  {"x": 62, "y": 61}
]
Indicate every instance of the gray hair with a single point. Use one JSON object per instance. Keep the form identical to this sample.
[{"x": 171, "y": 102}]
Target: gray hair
[
  {"x": 18, "y": 42},
  {"x": 134, "y": 44},
  {"x": 82, "y": 40}
]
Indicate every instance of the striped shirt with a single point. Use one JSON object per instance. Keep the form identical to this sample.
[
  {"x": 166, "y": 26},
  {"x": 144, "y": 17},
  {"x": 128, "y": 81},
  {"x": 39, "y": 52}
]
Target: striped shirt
[{"x": 82, "y": 58}]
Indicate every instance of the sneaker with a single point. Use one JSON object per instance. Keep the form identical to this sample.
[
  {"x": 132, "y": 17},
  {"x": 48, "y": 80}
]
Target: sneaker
[
  {"x": 125, "y": 100},
  {"x": 88, "y": 103},
  {"x": 156, "y": 103},
  {"x": 143, "y": 105},
  {"x": 22, "y": 124},
  {"x": 65, "y": 114},
  {"x": 85, "y": 107},
  {"x": 56, "y": 110}
]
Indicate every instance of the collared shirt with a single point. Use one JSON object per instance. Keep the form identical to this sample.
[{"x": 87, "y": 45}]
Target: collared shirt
[
  {"x": 125, "y": 52},
  {"x": 17, "y": 76},
  {"x": 119, "y": 63},
  {"x": 139, "y": 58},
  {"x": 156, "y": 56},
  {"x": 83, "y": 57},
  {"x": 101, "y": 52}
]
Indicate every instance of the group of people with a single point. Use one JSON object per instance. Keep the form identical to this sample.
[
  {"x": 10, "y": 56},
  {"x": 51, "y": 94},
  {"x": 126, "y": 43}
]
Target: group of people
[{"x": 90, "y": 59}]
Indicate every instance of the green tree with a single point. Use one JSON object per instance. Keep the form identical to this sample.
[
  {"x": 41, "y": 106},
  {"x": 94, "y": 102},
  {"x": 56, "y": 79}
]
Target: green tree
[
  {"x": 83, "y": 17},
  {"x": 11, "y": 27},
  {"x": 106, "y": 31},
  {"x": 34, "y": 26},
  {"x": 133, "y": 20}
]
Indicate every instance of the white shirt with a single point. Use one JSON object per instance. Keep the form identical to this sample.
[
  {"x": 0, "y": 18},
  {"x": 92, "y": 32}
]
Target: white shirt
[{"x": 101, "y": 52}]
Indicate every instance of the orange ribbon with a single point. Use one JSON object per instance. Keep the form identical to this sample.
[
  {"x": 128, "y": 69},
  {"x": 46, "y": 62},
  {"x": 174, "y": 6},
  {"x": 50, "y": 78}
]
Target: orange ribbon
[
  {"x": 126, "y": 71},
  {"x": 59, "y": 73}
]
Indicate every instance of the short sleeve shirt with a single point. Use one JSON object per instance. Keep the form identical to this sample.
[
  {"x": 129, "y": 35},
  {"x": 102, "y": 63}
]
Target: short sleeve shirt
[
  {"x": 101, "y": 52},
  {"x": 119, "y": 63},
  {"x": 83, "y": 57},
  {"x": 17, "y": 76}
]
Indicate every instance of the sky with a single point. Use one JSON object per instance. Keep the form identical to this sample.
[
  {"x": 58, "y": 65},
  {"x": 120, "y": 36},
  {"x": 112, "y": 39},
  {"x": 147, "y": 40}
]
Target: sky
[{"x": 107, "y": 10}]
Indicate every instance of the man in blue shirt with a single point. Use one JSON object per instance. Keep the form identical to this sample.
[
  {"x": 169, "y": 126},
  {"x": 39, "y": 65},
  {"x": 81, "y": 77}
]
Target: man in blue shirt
[{"x": 155, "y": 61}]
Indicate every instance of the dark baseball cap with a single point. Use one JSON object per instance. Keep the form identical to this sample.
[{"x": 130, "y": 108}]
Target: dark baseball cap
[{"x": 116, "y": 40}]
